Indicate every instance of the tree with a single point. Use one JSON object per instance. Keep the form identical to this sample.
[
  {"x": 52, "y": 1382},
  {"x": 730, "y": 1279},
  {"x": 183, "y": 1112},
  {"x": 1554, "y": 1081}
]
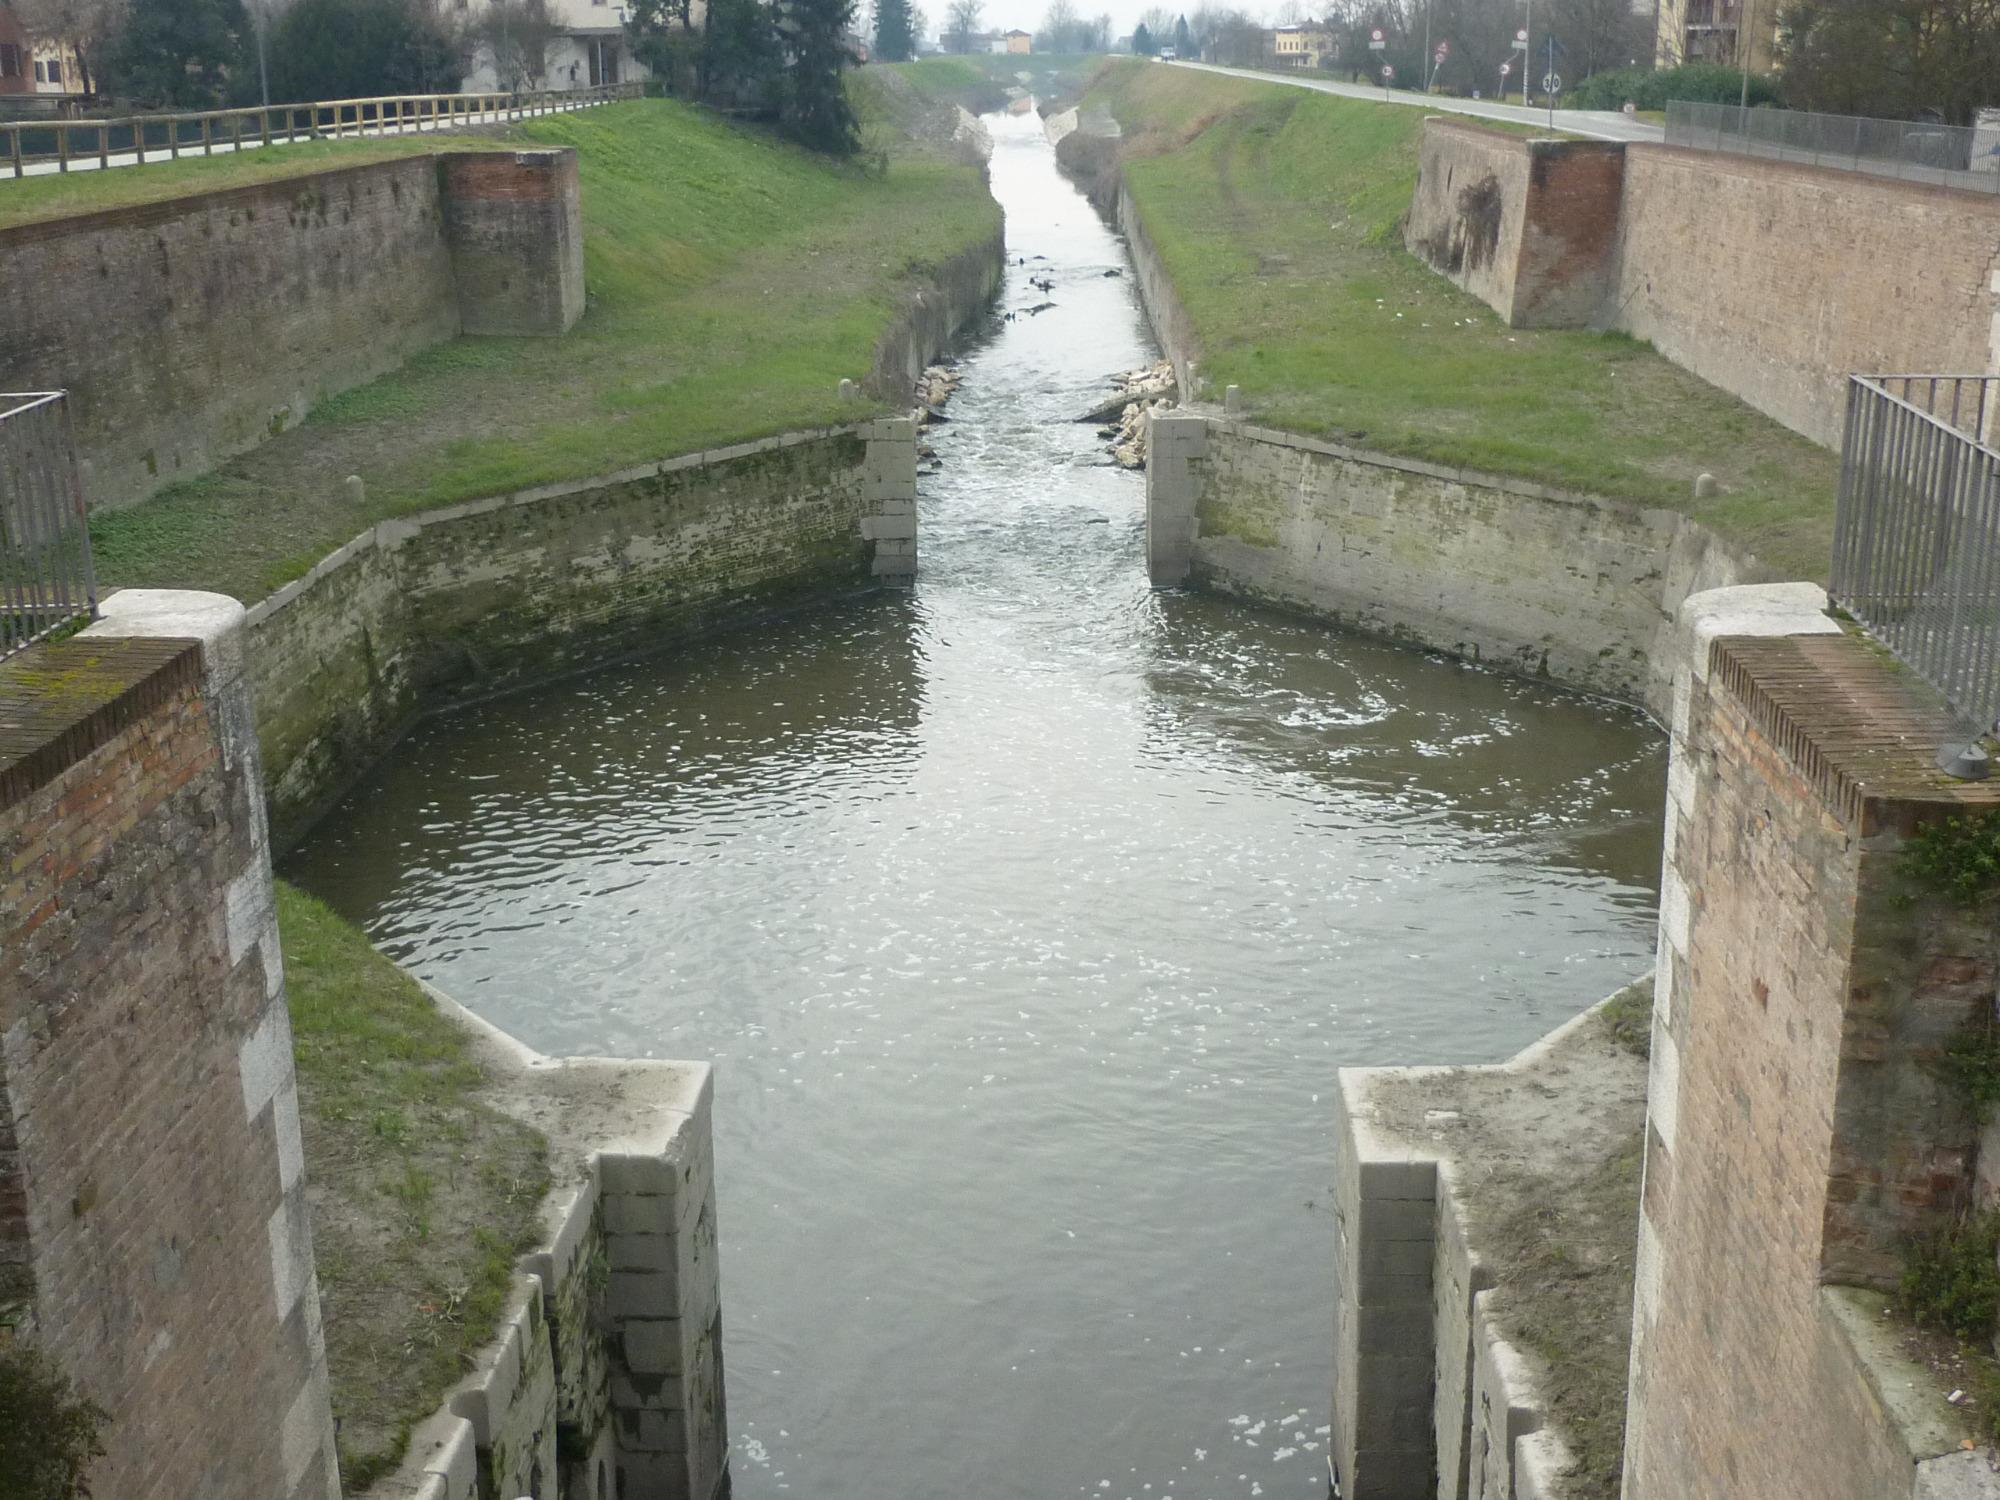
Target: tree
[
  {"x": 664, "y": 38},
  {"x": 961, "y": 24},
  {"x": 87, "y": 27},
  {"x": 352, "y": 49},
  {"x": 1183, "y": 39},
  {"x": 1899, "y": 59},
  {"x": 181, "y": 53},
  {"x": 741, "y": 55},
  {"x": 895, "y": 31},
  {"x": 1142, "y": 41},
  {"x": 516, "y": 34},
  {"x": 815, "y": 110}
]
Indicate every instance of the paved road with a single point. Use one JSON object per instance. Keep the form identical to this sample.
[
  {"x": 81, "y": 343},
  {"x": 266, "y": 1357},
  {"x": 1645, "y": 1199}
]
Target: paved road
[
  {"x": 1603, "y": 125},
  {"x": 159, "y": 153}
]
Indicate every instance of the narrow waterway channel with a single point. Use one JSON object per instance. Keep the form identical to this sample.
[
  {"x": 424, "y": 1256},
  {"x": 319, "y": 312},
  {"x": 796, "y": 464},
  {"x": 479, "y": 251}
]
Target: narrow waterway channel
[{"x": 1026, "y": 918}]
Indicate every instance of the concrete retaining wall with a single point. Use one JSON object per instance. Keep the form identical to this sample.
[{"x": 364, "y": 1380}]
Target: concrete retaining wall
[
  {"x": 426, "y": 611},
  {"x": 1765, "y": 278},
  {"x": 605, "y": 1379},
  {"x": 954, "y": 294},
  {"x": 194, "y": 328},
  {"x": 1578, "y": 590}
]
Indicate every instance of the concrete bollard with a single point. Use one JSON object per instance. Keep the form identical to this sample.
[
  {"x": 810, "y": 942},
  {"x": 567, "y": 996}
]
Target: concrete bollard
[
  {"x": 847, "y": 390},
  {"x": 357, "y": 492},
  {"x": 1232, "y": 399},
  {"x": 1705, "y": 487}
]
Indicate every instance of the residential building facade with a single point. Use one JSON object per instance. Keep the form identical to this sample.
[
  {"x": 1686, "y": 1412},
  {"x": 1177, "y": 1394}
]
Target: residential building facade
[{"x": 1718, "y": 31}]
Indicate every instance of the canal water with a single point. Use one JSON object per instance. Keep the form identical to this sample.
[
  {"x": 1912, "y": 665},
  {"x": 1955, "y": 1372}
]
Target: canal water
[{"x": 1026, "y": 918}]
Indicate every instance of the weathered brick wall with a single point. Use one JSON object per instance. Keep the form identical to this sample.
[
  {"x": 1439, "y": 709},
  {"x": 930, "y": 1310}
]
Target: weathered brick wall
[
  {"x": 194, "y": 328},
  {"x": 1772, "y": 280},
  {"x": 1797, "y": 1130},
  {"x": 514, "y": 220},
  {"x": 473, "y": 599},
  {"x": 152, "y": 1204},
  {"x": 1529, "y": 579},
  {"x": 1527, "y": 226},
  {"x": 1776, "y": 281}
]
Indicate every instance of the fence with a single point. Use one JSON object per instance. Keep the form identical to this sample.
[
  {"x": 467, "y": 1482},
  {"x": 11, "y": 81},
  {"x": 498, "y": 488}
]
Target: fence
[
  {"x": 62, "y": 145},
  {"x": 1947, "y": 156},
  {"x": 45, "y": 576},
  {"x": 1916, "y": 547}
]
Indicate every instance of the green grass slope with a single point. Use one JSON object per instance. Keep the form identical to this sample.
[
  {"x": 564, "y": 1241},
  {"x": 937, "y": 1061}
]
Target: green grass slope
[
  {"x": 734, "y": 280},
  {"x": 1276, "y": 212}
]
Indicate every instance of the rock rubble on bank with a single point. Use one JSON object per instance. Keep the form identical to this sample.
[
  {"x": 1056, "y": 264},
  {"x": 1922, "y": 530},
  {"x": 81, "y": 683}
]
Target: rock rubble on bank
[{"x": 1136, "y": 395}]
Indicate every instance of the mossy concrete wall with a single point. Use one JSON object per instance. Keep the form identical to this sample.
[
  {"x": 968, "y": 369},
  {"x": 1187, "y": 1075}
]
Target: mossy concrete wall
[
  {"x": 931, "y": 317},
  {"x": 427, "y": 611},
  {"x": 1577, "y": 590}
]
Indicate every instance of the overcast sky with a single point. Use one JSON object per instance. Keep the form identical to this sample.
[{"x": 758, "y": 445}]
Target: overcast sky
[{"x": 1026, "y": 15}]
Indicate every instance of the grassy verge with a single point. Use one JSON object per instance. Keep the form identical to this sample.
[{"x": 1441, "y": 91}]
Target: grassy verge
[
  {"x": 1276, "y": 212},
  {"x": 422, "y": 1194},
  {"x": 734, "y": 281}
]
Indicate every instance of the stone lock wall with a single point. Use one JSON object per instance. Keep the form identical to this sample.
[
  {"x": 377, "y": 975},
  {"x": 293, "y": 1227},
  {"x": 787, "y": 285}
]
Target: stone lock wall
[
  {"x": 153, "y": 1227},
  {"x": 425, "y": 611},
  {"x": 1768, "y": 279},
  {"x": 1798, "y": 1132},
  {"x": 194, "y": 328},
  {"x": 1576, "y": 589}
]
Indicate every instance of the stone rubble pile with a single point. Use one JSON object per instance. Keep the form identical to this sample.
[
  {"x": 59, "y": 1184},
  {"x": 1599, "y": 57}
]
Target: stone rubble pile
[{"x": 1139, "y": 393}]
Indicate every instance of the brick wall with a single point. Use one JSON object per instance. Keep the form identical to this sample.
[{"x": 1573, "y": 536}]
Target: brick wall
[
  {"x": 514, "y": 220},
  {"x": 152, "y": 1198},
  {"x": 194, "y": 328},
  {"x": 1797, "y": 1132},
  {"x": 1772, "y": 280}
]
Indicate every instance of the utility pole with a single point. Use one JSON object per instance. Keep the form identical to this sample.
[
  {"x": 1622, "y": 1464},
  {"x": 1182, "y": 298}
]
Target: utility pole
[
  {"x": 263, "y": 69},
  {"x": 1527, "y": 52},
  {"x": 1743, "y": 66}
]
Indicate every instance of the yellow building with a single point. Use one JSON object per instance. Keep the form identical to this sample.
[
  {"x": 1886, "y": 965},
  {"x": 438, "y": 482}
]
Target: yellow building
[
  {"x": 1300, "y": 46},
  {"x": 1708, "y": 31},
  {"x": 1020, "y": 41}
]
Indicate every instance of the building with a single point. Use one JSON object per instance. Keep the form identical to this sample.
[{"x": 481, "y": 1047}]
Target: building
[
  {"x": 1709, "y": 31},
  {"x": 1019, "y": 41},
  {"x": 35, "y": 76},
  {"x": 1300, "y": 46},
  {"x": 590, "y": 48}
]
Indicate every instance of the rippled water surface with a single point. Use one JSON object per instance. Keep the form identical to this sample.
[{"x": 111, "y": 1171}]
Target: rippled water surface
[{"x": 1026, "y": 918}]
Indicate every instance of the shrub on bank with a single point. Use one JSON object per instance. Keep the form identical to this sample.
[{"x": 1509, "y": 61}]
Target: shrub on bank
[{"x": 1651, "y": 88}]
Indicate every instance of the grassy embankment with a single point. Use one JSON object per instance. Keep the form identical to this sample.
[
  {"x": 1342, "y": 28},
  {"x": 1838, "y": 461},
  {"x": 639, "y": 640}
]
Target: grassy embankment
[
  {"x": 734, "y": 280},
  {"x": 1275, "y": 211},
  {"x": 422, "y": 1193}
]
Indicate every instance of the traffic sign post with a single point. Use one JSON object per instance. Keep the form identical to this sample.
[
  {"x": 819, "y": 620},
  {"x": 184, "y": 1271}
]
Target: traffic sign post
[
  {"x": 1437, "y": 63},
  {"x": 1388, "y": 75}
]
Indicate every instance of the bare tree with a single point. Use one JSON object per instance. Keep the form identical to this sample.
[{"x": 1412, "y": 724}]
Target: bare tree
[
  {"x": 517, "y": 34},
  {"x": 961, "y": 24},
  {"x": 85, "y": 26}
]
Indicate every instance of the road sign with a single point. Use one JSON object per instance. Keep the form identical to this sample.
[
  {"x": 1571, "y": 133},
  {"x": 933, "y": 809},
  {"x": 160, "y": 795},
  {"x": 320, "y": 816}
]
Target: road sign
[
  {"x": 1521, "y": 38},
  {"x": 1375, "y": 41},
  {"x": 1388, "y": 71},
  {"x": 1444, "y": 49},
  {"x": 1438, "y": 56},
  {"x": 1552, "y": 83},
  {"x": 1505, "y": 69}
]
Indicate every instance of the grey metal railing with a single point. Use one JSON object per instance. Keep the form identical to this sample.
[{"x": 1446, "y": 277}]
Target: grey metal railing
[
  {"x": 45, "y": 576},
  {"x": 1916, "y": 546},
  {"x": 1947, "y": 156},
  {"x": 137, "y": 140}
]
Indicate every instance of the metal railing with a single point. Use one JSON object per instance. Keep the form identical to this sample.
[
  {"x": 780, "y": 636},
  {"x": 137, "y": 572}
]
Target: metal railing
[
  {"x": 1916, "y": 545},
  {"x": 1946, "y": 156},
  {"x": 136, "y": 140},
  {"x": 45, "y": 576}
]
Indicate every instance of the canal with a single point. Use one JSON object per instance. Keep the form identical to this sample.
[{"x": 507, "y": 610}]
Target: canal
[{"x": 1026, "y": 918}]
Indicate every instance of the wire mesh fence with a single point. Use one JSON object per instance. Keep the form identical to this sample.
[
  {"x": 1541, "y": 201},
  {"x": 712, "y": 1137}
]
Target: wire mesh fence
[
  {"x": 1916, "y": 551},
  {"x": 139, "y": 140},
  {"x": 45, "y": 575},
  {"x": 1946, "y": 156}
]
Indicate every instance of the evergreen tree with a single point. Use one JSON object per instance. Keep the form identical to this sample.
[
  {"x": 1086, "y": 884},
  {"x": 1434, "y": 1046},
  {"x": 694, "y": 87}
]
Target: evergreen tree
[
  {"x": 815, "y": 110},
  {"x": 895, "y": 31},
  {"x": 1142, "y": 41},
  {"x": 1183, "y": 39},
  {"x": 355, "y": 49},
  {"x": 181, "y": 53}
]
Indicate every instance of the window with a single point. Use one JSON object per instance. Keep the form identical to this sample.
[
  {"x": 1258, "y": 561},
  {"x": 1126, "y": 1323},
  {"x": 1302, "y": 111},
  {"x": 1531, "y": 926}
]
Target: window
[
  {"x": 10, "y": 60},
  {"x": 55, "y": 70},
  {"x": 41, "y": 71}
]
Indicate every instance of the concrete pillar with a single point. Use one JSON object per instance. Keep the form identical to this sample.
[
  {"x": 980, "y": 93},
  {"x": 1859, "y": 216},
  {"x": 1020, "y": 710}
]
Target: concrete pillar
[
  {"x": 514, "y": 222},
  {"x": 889, "y": 477},
  {"x": 1175, "y": 443}
]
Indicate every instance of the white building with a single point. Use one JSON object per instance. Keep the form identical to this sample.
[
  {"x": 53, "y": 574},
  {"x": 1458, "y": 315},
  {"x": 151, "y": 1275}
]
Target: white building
[{"x": 590, "y": 48}]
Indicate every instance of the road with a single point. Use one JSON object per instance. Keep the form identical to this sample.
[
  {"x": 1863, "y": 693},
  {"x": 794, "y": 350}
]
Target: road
[
  {"x": 1599, "y": 124},
  {"x": 159, "y": 153}
]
